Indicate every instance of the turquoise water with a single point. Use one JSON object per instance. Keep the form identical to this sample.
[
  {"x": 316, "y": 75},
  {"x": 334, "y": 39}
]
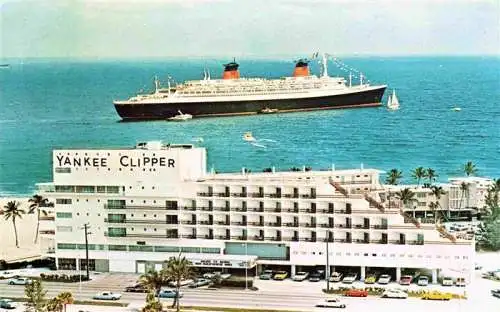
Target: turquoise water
[{"x": 47, "y": 104}]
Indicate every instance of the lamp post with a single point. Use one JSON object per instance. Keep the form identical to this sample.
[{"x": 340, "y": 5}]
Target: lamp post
[{"x": 86, "y": 227}]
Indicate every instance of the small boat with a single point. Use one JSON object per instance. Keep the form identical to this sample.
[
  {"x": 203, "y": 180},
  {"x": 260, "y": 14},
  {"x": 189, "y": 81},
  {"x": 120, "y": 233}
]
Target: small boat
[
  {"x": 393, "y": 102},
  {"x": 247, "y": 136},
  {"x": 456, "y": 109},
  {"x": 268, "y": 110},
  {"x": 181, "y": 117},
  {"x": 4, "y": 65}
]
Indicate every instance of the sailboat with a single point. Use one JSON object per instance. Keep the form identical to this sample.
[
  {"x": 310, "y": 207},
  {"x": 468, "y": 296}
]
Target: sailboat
[{"x": 393, "y": 102}]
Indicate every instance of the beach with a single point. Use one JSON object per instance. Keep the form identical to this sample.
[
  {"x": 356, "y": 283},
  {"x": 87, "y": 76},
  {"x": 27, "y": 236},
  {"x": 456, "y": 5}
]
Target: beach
[{"x": 25, "y": 230}]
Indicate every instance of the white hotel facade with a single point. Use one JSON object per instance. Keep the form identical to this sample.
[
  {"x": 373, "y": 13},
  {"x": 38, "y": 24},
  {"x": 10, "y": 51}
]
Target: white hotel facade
[{"x": 148, "y": 203}]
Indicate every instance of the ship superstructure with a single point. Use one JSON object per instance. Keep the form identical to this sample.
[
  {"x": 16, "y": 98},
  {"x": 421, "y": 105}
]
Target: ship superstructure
[{"x": 233, "y": 95}]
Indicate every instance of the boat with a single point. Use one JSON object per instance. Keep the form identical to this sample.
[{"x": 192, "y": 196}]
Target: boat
[
  {"x": 269, "y": 110},
  {"x": 181, "y": 117},
  {"x": 247, "y": 136},
  {"x": 392, "y": 101},
  {"x": 4, "y": 65},
  {"x": 234, "y": 95},
  {"x": 456, "y": 109}
]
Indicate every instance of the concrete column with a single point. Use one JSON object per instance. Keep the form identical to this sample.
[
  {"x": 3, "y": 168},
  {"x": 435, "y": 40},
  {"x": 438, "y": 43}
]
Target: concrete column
[
  {"x": 398, "y": 274},
  {"x": 292, "y": 271},
  {"x": 363, "y": 274},
  {"x": 434, "y": 276}
]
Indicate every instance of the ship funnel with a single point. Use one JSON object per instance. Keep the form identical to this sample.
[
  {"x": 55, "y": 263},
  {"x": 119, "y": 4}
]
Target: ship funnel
[
  {"x": 301, "y": 68},
  {"x": 231, "y": 70}
]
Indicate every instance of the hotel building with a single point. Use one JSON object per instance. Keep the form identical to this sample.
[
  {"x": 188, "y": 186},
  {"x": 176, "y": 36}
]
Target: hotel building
[{"x": 151, "y": 202}]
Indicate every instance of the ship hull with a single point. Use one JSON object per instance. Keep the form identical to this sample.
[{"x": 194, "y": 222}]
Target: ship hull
[{"x": 364, "y": 98}]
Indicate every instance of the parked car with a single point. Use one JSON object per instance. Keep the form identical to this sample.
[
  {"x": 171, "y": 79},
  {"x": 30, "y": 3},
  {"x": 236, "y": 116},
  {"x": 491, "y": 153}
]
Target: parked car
[
  {"x": 423, "y": 280},
  {"x": 107, "y": 295},
  {"x": 266, "y": 275},
  {"x": 210, "y": 275},
  {"x": 371, "y": 279},
  {"x": 356, "y": 293},
  {"x": 19, "y": 281},
  {"x": 7, "y": 304},
  {"x": 300, "y": 276},
  {"x": 436, "y": 295},
  {"x": 280, "y": 275},
  {"x": 447, "y": 281},
  {"x": 199, "y": 282},
  {"x": 460, "y": 282},
  {"x": 394, "y": 293},
  {"x": 384, "y": 279},
  {"x": 136, "y": 288},
  {"x": 182, "y": 283},
  {"x": 349, "y": 278},
  {"x": 495, "y": 293},
  {"x": 405, "y": 280},
  {"x": 321, "y": 273},
  {"x": 336, "y": 277},
  {"x": 315, "y": 277},
  {"x": 331, "y": 302},
  {"x": 169, "y": 293}
]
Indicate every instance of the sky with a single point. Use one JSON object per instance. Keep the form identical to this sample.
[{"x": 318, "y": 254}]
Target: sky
[{"x": 260, "y": 28}]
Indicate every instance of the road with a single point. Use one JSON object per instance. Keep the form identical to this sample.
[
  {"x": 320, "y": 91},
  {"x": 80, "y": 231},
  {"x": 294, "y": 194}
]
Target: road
[{"x": 275, "y": 295}]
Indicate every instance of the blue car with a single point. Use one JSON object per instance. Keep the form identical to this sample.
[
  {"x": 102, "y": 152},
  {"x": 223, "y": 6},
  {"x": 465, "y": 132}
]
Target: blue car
[{"x": 169, "y": 293}]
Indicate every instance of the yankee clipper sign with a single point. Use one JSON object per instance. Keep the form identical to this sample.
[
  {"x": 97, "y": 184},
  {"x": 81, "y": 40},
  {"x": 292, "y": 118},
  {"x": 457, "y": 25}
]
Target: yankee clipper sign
[{"x": 123, "y": 161}]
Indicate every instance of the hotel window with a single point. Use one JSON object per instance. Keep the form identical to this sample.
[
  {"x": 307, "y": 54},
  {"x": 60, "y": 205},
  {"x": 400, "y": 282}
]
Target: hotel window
[
  {"x": 63, "y": 170},
  {"x": 166, "y": 249},
  {"x": 140, "y": 248},
  {"x": 190, "y": 249},
  {"x": 84, "y": 189},
  {"x": 82, "y": 246},
  {"x": 66, "y": 246},
  {"x": 66, "y": 264},
  {"x": 112, "y": 189},
  {"x": 210, "y": 250},
  {"x": 64, "y": 215},
  {"x": 63, "y": 201},
  {"x": 117, "y": 232},
  {"x": 65, "y": 189},
  {"x": 171, "y": 204},
  {"x": 64, "y": 229},
  {"x": 117, "y": 248}
]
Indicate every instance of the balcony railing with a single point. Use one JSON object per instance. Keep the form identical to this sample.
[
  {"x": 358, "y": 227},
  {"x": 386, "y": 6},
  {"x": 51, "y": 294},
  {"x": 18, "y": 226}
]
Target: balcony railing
[
  {"x": 256, "y": 209},
  {"x": 239, "y": 237},
  {"x": 221, "y": 208},
  {"x": 139, "y": 221},
  {"x": 256, "y": 223},
  {"x": 379, "y": 226},
  {"x": 257, "y": 238},
  {"x": 205, "y": 208},
  {"x": 145, "y": 207},
  {"x": 203, "y": 194},
  {"x": 239, "y": 194},
  {"x": 224, "y": 237},
  {"x": 291, "y": 195},
  {"x": 221, "y": 223},
  {"x": 239, "y": 209},
  {"x": 257, "y": 195},
  {"x": 290, "y": 224},
  {"x": 379, "y": 241},
  {"x": 343, "y": 211},
  {"x": 277, "y": 210},
  {"x": 360, "y": 226},
  {"x": 188, "y": 236},
  {"x": 206, "y": 222},
  {"x": 188, "y": 208},
  {"x": 343, "y": 226},
  {"x": 307, "y": 239},
  {"x": 291, "y": 210},
  {"x": 273, "y": 224},
  {"x": 188, "y": 222},
  {"x": 325, "y": 225},
  {"x": 239, "y": 223},
  {"x": 142, "y": 235},
  {"x": 308, "y": 210},
  {"x": 308, "y": 225},
  {"x": 343, "y": 240},
  {"x": 206, "y": 236},
  {"x": 272, "y": 238},
  {"x": 361, "y": 241}
]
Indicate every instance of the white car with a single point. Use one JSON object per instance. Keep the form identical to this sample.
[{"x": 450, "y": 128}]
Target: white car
[
  {"x": 423, "y": 281},
  {"x": 394, "y": 293},
  {"x": 182, "y": 283},
  {"x": 107, "y": 295},
  {"x": 331, "y": 302},
  {"x": 447, "y": 281},
  {"x": 19, "y": 281},
  {"x": 336, "y": 277},
  {"x": 350, "y": 278},
  {"x": 300, "y": 276},
  {"x": 384, "y": 279}
]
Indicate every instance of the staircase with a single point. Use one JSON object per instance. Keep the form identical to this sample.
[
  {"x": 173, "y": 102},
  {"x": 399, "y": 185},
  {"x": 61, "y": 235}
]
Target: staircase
[
  {"x": 374, "y": 203},
  {"x": 338, "y": 187}
]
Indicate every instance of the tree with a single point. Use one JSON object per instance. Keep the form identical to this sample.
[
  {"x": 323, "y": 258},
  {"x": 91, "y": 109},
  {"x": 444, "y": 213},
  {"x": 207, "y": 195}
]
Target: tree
[
  {"x": 406, "y": 196},
  {"x": 37, "y": 202},
  {"x": 489, "y": 229},
  {"x": 434, "y": 206},
  {"x": 178, "y": 269},
  {"x": 12, "y": 211},
  {"x": 470, "y": 168},
  {"x": 437, "y": 191},
  {"x": 54, "y": 305},
  {"x": 153, "y": 280},
  {"x": 418, "y": 174},
  {"x": 66, "y": 298},
  {"x": 152, "y": 305},
  {"x": 393, "y": 177},
  {"x": 431, "y": 175},
  {"x": 36, "y": 296},
  {"x": 464, "y": 189}
]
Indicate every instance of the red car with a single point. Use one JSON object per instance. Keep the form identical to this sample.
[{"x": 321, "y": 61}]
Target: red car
[
  {"x": 405, "y": 280},
  {"x": 356, "y": 293}
]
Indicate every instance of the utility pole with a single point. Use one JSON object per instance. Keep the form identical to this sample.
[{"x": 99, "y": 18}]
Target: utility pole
[
  {"x": 86, "y": 227},
  {"x": 327, "y": 271}
]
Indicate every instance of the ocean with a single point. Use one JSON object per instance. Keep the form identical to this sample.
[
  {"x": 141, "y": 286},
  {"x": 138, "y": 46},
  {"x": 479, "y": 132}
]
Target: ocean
[{"x": 49, "y": 103}]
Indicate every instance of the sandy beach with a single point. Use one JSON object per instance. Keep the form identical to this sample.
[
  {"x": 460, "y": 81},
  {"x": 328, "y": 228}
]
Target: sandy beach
[{"x": 25, "y": 230}]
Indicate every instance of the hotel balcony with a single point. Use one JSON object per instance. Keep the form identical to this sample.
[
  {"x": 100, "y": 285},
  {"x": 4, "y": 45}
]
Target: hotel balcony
[
  {"x": 308, "y": 210},
  {"x": 205, "y": 194},
  {"x": 257, "y": 238},
  {"x": 223, "y": 237},
  {"x": 290, "y": 238},
  {"x": 273, "y": 238},
  {"x": 205, "y": 222},
  {"x": 221, "y": 223},
  {"x": 238, "y": 237},
  {"x": 290, "y": 224},
  {"x": 276, "y": 210},
  {"x": 307, "y": 239},
  {"x": 308, "y": 225},
  {"x": 188, "y": 222},
  {"x": 343, "y": 226},
  {"x": 255, "y": 223},
  {"x": 379, "y": 226},
  {"x": 238, "y": 194},
  {"x": 257, "y": 195},
  {"x": 143, "y": 207},
  {"x": 142, "y": 235},
  {"x": 188, "y": 208},
  {"x": 221, "y": 208},
  {"x": 140, "y": 221},
  {"x": 360, "y": 226},
  {"x": 274, "y": 224},
  {"x": 239, "y": 209},
  {"x": 325, "y": 225},
  {"x": 239, "y": 223},
  {"x": 256, "y": 209},
  {"x": 290, "y": 210}
]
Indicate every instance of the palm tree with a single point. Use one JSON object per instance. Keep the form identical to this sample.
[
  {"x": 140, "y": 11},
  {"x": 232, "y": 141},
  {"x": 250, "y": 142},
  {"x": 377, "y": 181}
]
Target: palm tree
[
  {"x": 434, "y": 206},
  {"x": 437, "y": 191},
  {"x": 37, "y": 202},
  {"x": 65, "y": 298},
  {"x": 418, "y": 174},
  {"x": 178, "y": 269},
  {"x": 470, "y": 168},
  {"x": 12, "y": 211},
  {"x": 431, "y": 175},
  {"x": 54, "y": 305},
  {"x": 153, "y": 281},
  {"x": 393, "y": 177},
  {"x": 406, "y": 196}
]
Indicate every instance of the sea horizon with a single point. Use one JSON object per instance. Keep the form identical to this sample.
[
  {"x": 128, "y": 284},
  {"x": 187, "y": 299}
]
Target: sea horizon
[{"x": 68, "y": 104}]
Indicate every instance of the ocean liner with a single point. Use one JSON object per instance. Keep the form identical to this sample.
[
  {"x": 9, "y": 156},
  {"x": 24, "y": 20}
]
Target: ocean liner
[{"x": 233, "y": 95}]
